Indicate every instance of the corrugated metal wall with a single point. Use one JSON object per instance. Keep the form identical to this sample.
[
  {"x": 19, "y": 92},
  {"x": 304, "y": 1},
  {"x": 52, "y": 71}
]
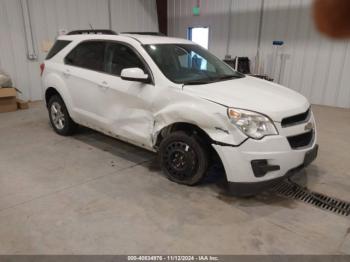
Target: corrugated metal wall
[
  {"x": 48, "y": 17},
  {"x": 213, "y": 14},
  {"x": 134, "y": 15},
  {"x": 312, "y": 64},
  {"x": 13, "y": 48}
]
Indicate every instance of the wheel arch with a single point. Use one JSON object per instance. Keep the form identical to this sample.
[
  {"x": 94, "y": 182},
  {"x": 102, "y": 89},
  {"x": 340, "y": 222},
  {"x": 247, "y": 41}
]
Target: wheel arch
[
  {"x": 189, "y": 128},
  {"x": 192, "y": 130},
  {"x": 50, "y": 92},
  {"x": 54, "y": 84}
]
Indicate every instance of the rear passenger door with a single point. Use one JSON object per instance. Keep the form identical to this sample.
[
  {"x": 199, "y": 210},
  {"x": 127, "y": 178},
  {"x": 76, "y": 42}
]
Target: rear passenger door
[{"x": 84, "y": 74}]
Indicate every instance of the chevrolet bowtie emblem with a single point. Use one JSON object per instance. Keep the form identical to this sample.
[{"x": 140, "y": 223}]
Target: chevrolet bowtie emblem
[{"x": 309, "y": 126}]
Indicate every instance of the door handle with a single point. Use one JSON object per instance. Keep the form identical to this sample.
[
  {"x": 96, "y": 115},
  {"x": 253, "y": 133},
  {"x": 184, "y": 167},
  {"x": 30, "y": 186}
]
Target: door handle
[
  {"x": 66, "y": 72},
  {"x": 104, "y": 85}
]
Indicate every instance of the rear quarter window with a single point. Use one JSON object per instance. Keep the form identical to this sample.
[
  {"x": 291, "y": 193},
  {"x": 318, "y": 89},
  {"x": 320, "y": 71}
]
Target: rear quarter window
[
  {"x": 89, "y": 55},
  {"x": 57, "y": 47}
]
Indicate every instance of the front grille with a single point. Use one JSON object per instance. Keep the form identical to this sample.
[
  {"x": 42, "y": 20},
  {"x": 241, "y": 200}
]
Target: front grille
[
  {"x": 301, "y": 140},
  {"x": 296, "y": 119}
]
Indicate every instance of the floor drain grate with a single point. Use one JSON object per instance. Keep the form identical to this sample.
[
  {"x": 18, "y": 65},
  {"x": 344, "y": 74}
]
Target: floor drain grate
[{"x": 292, "y": 190}]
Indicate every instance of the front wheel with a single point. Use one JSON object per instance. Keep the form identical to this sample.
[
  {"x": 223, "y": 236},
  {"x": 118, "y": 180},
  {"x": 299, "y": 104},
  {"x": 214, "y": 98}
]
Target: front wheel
[{"x": 184, "y": 159}]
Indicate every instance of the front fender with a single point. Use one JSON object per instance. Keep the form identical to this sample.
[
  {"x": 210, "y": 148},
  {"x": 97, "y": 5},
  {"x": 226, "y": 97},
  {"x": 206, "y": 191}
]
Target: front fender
[{"x": 210, "y": 117}]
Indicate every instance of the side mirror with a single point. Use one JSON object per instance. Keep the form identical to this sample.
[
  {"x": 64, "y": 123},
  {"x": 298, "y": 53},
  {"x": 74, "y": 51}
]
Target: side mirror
[{"x": 134, "y": 74}]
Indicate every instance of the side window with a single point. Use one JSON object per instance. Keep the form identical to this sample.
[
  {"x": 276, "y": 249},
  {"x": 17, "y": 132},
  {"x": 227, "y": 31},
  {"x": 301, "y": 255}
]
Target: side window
[
  {"x": 119, "y": 57},
  {"x": 88, "y": 55},
  {"x": 56, "y": 48}
]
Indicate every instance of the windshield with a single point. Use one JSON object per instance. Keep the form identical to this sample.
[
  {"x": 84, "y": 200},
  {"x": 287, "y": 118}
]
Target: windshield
[{"x": 190, "y": 64}]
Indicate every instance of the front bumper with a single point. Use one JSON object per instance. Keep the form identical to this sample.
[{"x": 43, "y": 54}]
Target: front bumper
[
  {"x": 249, "y": 189},
  {"x": 277, "y": 152}
]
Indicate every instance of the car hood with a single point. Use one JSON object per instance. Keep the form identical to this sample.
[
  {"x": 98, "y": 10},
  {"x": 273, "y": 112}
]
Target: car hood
[{"x": 253, "y": 94}]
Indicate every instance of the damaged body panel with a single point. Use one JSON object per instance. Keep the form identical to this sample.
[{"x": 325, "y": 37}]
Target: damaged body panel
[{"x": 208, "y": 116}]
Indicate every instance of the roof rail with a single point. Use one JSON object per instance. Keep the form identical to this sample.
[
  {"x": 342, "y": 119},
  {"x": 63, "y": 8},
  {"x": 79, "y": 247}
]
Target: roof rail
[
  {"x": 93, "y": 32},
  {"x": 144, "y": 33}
]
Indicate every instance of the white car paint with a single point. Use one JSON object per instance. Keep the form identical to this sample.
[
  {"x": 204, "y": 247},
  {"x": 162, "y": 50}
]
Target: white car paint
[
  {"x": 137, "y": 112},
  {"x": 254, "y": 94}
]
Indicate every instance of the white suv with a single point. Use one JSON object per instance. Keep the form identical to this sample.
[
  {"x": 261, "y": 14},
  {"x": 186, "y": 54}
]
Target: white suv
[{"x": 171, "y": 96}]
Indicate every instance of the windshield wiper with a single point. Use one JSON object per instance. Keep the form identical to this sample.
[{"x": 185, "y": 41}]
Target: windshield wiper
[
  {"x": 203, "y": 82},
  {"x": 227, "y": 77},
  {"x": 196, "y": 82}
]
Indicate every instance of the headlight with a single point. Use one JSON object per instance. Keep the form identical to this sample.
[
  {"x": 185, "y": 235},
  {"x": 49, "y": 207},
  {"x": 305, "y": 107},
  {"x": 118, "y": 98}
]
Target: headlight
[{"x": 252, "y": 124}]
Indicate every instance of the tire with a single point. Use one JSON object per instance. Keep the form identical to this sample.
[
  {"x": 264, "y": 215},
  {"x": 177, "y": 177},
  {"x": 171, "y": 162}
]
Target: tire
[
  {"x": 183, "y": 158},
  {"x": 60, "y": 120}
]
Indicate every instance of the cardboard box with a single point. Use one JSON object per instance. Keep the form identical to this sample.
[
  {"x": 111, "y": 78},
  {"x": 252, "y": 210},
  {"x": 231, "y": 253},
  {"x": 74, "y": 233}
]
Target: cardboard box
[{"x": 8, "y": 101}]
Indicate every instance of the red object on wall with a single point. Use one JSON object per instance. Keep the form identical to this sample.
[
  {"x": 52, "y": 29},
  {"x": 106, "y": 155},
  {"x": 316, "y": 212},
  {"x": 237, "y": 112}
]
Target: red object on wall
[
  {"x": 162, "y": 12},
  {"x": 332, "y": 17}
]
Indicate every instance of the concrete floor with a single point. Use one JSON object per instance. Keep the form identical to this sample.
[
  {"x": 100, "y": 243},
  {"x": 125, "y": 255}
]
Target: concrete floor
[{"x": 90, "y": 194}]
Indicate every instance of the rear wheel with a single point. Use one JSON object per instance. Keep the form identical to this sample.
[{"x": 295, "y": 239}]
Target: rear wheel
[
  {"x": 183, "y": 158},
  {"x": 59, "y": 117}
]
